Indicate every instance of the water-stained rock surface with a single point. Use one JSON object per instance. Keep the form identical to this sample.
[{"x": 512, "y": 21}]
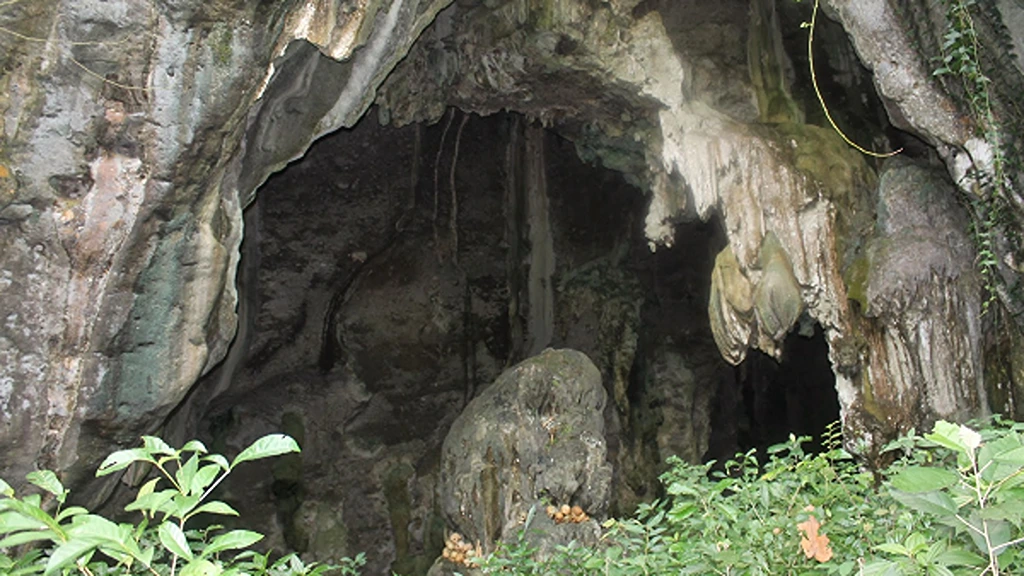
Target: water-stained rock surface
[{"x": 652, "y": 183}]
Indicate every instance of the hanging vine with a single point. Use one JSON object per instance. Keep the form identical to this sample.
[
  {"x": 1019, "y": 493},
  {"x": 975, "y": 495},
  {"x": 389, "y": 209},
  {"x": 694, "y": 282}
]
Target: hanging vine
[{"x": 821, "y": 99}]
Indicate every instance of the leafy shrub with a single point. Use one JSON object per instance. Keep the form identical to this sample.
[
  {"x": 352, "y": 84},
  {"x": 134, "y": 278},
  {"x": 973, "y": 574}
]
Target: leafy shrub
[
  {"x": 951, "y": 494},
  {"x": 54, "y": 539},
  {"x": 972, "y": 489}
]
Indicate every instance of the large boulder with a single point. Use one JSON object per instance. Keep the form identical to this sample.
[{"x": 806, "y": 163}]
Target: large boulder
[{"x": 533, "y": 438}]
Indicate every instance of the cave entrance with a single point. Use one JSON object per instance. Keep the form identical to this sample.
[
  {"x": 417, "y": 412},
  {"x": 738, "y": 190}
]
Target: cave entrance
[
  {"x": 393, "y": 272},
  {"x": 766, "y": 400}
]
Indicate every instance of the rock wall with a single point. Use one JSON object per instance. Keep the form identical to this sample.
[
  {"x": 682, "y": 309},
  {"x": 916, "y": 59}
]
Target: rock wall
[{"x": 133, "y": 133}]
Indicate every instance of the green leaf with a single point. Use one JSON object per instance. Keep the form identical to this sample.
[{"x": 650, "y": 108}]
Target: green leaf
[
  {"x": 916, "y": 543},
  {"x": 203, "y": 479},
  {"x": 69, "y": 512},
  {"x": 194, "y": 446},
  {"x": 234, "y": 540},
  {"x": 122, "y": 459},
  {"x": 97, "y": 529},
  {"x": 146, "y": 557},
  {"x": 265, "y": 447},
  {"x": 1012, "y": 456},
  {"x": 48, "y": 481},
  {"x": 182, "y": 506},
  {"x": 1001, "y": 456},
  {"x": 216, "y": 507},
  {"x": 16, "y": 521},
  {"x": 187, "y": 472},
  {"x": 218, "y": 460},
  {"x": 893, "y": 548},
  {"x": 938, "y": 503},
  {"x": 947, "y": 435},
  {"x": 958, "y": 557},
  {"x": 151, "y": 503},
  {"x": 5, "y": 489},
  {"x": 155, "y": 445},
  {"x": 29, "y": 509},
  {"x": 998, "y": 534},
  {"x": 917, "y": 479},
  {"x": 174, "y": 540},
  {"x": 26, "y": 537},
  {"x": 1012, "y": 510},
  {"x": 201, "y": 568},
  {"x": 68, "y": 553},
  {"x": 148, "y": 487}
]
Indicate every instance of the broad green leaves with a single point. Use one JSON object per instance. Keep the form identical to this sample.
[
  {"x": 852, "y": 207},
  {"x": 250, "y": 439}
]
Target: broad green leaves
[
  {"x": 76, "y": 541},
  {"x": 174, "y": 540},
  {"x": 978, "y": 497},
  {"x": 270, "y": 445},
  {"x": 952, "y": 506},
  {"x": 234, "y": 540},
  {"x": 916, "y": 479}
]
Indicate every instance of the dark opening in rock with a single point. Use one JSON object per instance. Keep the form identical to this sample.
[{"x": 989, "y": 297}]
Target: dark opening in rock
[
  {"x": 392, "y": 274},
  {"x": 766, "y": 400}
]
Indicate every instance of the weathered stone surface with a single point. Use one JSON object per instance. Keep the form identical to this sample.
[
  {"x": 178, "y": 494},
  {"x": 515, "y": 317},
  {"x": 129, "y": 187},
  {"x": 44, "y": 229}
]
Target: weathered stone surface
[
  {"x": 133, "y": 134},
  {"x": 128, "y": 162},
  {"x": 684, "y": 402},
  {"x": 536, "y": 435},
  {"x": 884, "y": 42},
  {"x": 922, "y": 303},
  {"x": 134, "y": 304}
]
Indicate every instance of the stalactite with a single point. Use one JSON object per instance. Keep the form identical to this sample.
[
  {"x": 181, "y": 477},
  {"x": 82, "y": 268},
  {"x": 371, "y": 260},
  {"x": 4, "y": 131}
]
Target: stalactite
[
  {"x": 437, "y": 185},
  {"x": 513, "y": 237},
  {"x": 468, "y": 340},
  {"x": 542, "y": 256},
  {"x": 453, "y": 217},
  {"x": 414, "y": 174}
]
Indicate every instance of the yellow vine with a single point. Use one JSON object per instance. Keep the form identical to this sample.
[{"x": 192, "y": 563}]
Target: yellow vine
[
  {"x": 821, "y": 99},
  {"x": 86, "y": 69}
]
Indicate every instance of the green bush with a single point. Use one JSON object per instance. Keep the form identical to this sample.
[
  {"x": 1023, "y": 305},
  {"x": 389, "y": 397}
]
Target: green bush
[
  {"x": 951, "y": 504},
  {"x": 49, "y": 538}
]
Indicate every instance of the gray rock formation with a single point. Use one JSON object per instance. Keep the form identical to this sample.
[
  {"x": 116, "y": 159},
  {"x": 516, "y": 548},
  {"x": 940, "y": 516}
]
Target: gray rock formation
[
  {"x": 919, "y": 292},
  {"x": 533, "y": 438}
]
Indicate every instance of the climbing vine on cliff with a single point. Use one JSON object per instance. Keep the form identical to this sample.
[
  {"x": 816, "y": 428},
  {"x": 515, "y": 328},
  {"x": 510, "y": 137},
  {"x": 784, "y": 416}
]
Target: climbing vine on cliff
[{"x": 990, "y": 194}]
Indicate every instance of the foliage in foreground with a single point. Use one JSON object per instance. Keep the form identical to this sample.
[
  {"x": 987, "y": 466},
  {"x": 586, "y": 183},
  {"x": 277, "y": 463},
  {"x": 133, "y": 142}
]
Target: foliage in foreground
[
  {"x": 952, "y": 504},
  {"x": 47, "y": 538}
]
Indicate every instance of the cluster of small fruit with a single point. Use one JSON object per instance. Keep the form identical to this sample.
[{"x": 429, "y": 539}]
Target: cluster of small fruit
[
  {"x": 565, "y": 514},
  {"x": 457, "y": 551}
]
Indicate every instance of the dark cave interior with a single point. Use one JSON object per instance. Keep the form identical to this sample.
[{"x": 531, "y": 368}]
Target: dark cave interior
[{"x": 392, "y": 273}]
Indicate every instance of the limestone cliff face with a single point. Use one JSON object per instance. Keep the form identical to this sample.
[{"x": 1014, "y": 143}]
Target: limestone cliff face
[{"x": 133, "y": 134}]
